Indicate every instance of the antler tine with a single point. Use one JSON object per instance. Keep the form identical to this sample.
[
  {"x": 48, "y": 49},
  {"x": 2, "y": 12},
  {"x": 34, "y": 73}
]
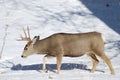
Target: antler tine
[
  {"x": 28, "y": 31},
  {"x": 27, "y": 35}
]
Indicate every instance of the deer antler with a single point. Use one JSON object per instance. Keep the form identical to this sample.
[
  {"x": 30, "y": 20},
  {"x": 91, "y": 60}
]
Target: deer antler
[{"x": 27, "y": 35}]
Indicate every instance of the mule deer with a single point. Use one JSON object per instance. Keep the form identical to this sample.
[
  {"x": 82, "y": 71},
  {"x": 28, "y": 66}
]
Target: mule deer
[{"x": 73, "y": 45}]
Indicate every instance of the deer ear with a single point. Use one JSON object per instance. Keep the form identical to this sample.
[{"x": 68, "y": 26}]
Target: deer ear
[
  {"x": 38, "y": 37},
  {"x": 35, "y": 39}
]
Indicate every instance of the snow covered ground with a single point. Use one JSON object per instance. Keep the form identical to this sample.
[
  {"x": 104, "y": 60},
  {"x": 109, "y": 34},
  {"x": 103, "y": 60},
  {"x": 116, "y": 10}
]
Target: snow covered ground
[{"x": 46, "y": 17}]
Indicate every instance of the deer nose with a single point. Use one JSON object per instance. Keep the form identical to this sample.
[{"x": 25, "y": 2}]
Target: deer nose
[{"x": 22, "y": 56}]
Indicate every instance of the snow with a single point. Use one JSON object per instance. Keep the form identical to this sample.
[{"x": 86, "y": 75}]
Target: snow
[{"x": 46, "y": 17}]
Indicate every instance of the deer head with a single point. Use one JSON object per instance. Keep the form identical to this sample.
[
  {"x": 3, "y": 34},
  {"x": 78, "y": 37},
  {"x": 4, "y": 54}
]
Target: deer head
[{"x": 29, "y": 49}]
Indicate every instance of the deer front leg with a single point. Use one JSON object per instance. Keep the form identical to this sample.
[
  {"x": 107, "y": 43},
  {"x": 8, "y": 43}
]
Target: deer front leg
[
  {"x": 59, "y": 60},
  {"x": 44, "y": 63}
]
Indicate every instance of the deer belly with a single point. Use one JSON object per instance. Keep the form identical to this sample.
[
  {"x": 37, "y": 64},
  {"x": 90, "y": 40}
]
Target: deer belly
[{"x": 74, "y": 53}]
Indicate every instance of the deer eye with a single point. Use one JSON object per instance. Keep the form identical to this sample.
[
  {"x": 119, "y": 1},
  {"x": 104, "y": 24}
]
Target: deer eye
[{"x": 26, "y": 47}]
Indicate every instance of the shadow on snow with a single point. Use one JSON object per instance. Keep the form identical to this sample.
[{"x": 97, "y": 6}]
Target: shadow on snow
[
  {"x": 116, "y": 45},
  {"x": 51, "y": 67},
  {"x": 107, "y": 10}
]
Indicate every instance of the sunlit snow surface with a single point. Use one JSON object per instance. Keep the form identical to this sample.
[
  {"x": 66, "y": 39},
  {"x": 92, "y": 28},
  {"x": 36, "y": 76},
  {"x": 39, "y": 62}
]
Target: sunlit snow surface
[{"x": 46, "y": 17}]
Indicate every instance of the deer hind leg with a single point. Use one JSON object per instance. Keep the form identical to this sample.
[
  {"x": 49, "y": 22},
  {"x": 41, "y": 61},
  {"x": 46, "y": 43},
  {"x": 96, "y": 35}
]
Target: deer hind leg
[
  {"x": 108, "y": 62},
  {"x": 102, "y": 55},
  {"x": 95, "y": 62}
]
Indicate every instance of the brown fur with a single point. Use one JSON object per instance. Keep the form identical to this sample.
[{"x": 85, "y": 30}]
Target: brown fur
[{"x": 73, "y": 45}]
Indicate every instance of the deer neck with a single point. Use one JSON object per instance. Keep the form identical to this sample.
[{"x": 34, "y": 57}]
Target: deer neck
[{"x": 41, "y": 47}]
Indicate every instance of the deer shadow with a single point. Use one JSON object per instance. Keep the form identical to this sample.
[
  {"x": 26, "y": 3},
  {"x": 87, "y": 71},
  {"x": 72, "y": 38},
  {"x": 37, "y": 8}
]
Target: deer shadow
[{"x": 50, "y": 67}]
